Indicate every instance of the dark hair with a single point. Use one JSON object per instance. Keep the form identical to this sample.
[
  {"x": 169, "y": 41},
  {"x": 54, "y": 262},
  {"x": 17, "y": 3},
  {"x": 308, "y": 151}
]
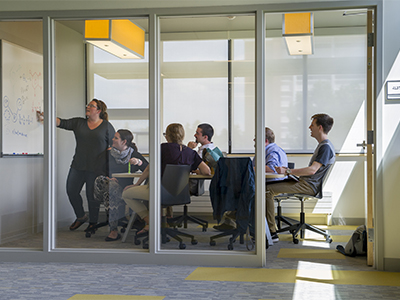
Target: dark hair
[
  {"x": 206, "y": 129},
  {"x": 127, "y": 136},
  {"x": 269, "y": 135},
  {"x": 103, "y": 109},
  {"x": 175, "y": 133},
  {"x": 324, "y": 120}
]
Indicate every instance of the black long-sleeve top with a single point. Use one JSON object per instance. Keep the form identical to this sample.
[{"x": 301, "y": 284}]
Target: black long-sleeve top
[{"x": 91, "y": 144}]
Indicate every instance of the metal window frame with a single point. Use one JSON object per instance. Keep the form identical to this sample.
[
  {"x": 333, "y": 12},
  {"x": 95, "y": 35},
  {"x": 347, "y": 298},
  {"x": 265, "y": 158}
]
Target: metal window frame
[{"x": 155, "y": 255}]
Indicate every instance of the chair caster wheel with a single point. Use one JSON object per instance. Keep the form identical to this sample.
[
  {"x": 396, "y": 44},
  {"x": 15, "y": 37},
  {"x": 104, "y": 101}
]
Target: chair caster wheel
[
  {"x": 194, "y": 242},
  {"x": 182, "y": 246},
  {"x": 88, "y": 234},
  {"x": 137, "y": 242},
  {"x": 329, "y": 240},
  {"x": 122, "y": 230},
  {"x": 145, "y": 246},
  {"x": 296, "y": 241},
  {"x": 230, "y": 247},
  {"x": 212, "y": 243},
  {"x": 204, "y": 229}
]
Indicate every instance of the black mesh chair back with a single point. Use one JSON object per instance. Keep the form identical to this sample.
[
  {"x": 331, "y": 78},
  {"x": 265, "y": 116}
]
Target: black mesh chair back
[
  {"x": 174, "y": 191},
  {"x": 175, "y": 185},
  {"x": 319, "y": 194}
]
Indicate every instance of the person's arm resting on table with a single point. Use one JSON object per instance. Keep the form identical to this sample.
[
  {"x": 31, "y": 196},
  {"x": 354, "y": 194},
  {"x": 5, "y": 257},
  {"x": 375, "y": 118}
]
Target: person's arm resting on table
[
  {"x": 270, "y": 162},
  {"x": 204, "y": 169},
  {"x": 269, "y": 170},
  {"x": 311, "y": 170}
]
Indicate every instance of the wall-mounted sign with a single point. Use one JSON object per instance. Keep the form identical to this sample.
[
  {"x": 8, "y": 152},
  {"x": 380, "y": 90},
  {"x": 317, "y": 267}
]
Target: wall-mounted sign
[{"x": 393, "y": 90}]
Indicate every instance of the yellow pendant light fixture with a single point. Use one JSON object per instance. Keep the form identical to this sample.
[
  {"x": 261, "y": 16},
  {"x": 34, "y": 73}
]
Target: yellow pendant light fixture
[
  {"x": 121, "y": 38},
  {"x": 298, "y": 31}
]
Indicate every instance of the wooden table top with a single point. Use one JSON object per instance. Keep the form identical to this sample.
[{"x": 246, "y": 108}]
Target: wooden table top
[{"x": 191, "y": 176}]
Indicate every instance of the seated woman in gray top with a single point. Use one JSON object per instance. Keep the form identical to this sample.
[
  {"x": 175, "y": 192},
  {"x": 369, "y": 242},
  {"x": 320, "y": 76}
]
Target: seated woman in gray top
[
  {"x": 93, "y": 136},
  {"x": 108, "y": 189}
]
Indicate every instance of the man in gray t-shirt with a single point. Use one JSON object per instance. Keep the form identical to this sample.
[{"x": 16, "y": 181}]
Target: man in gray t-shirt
[{"x": 311, "y": 176}]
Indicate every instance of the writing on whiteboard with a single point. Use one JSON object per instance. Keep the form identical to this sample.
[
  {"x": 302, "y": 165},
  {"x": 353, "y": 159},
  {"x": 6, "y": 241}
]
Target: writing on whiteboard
[
  {"x": 15, "y": 116},
  {"x": 17, "y": 132},
  {"x": 21, "y": 96}
]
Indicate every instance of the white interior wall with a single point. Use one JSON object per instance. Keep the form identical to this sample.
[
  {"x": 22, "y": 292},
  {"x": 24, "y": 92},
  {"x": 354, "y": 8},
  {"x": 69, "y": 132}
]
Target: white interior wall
[
  {"x": 70, "y": 97},
  {"x": 347, "y": 185},
  {"x": 388, "y": 123},
  {"x": 21, "y": 184}
]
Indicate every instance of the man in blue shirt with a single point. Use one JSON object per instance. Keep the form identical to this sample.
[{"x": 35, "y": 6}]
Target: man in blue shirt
[
  {"x": 274, "y": 157},
  {"x": 311, "y": 176}
]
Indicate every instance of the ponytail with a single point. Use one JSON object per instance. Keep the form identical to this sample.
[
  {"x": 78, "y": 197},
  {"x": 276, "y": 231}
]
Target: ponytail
[{"x": 128, "y": 137}]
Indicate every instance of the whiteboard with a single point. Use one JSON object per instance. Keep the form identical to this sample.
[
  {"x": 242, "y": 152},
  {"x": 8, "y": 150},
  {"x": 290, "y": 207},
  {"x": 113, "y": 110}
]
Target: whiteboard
[{"x": 21, "y": 97}]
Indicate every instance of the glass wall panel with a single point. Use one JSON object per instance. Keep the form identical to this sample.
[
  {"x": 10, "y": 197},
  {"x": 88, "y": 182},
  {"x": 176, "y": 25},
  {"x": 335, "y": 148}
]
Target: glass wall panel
[
  {"x": 195, "y": 86},
  {"x": 243, "y": 69},
  {"x": 97, "y": 159},
  {"x": 22, "y": 141},
  {"x": 331, "y": 79},
  {"x": 207, "y": 76}
]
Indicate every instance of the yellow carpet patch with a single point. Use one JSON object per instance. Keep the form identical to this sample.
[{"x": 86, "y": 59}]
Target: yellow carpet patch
[
  {"x": 340, "y": 238},
  {"x": 242, "y": 274},
  {"x": 337, "y": 227},
  {"x": 305, "y": 253},
  {"x": 291, "y": 276},
  {"x": 114, "y": 297}
]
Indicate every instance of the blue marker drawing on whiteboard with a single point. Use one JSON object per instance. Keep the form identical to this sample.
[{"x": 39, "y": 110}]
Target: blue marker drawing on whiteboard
[
  {"x": 8, "y": 113},
  {"x": 19, "y": 133},
  {"x": 14, "y": 117}
]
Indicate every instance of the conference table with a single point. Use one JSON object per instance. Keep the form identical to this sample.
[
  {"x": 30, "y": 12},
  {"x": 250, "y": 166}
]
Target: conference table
[{"x": 191, "y": 176}]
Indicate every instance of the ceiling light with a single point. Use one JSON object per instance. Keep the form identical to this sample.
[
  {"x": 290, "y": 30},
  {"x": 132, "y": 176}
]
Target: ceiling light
[
  {"x": 121, "y": 38},
  {"x": 298, "y": 31}
]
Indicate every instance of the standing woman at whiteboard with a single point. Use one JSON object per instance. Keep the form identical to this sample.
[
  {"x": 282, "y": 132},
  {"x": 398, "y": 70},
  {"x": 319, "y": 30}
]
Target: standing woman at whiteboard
[{"x": 93, "y": 136}]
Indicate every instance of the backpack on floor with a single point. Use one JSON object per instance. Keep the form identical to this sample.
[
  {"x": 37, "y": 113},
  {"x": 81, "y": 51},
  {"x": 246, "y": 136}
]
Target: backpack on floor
[{"x": 357, "y": 245}]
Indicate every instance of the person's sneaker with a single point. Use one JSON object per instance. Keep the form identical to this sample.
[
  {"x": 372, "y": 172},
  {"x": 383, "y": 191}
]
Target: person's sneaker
[
  {"x": 223, "y": 227},
  {"x": 275, "y": 237}
]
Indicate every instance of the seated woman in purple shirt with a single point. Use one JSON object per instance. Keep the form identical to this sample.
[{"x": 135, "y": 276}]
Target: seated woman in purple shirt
[{"x": 173, "y": 152}]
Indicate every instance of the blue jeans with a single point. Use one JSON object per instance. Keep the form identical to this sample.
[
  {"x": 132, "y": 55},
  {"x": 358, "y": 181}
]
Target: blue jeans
[{"x": 75, "y": 181}]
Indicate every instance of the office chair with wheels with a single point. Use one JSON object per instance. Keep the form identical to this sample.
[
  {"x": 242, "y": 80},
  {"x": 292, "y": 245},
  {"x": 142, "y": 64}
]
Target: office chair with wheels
[
  {"x": 174, "y": 191},
  {"x": 301, "y": 226},
  {"x": 279, "y": 218},
  {"x": 196, "y": 187},
  {"x": 233, "y": 189}
]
